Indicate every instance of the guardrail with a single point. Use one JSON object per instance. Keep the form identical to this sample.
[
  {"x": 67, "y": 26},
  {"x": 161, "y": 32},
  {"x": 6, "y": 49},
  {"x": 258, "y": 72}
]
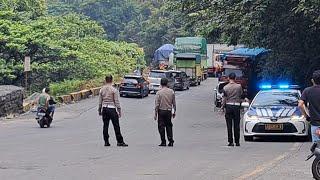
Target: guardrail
[{"x": 72, "y": 97}]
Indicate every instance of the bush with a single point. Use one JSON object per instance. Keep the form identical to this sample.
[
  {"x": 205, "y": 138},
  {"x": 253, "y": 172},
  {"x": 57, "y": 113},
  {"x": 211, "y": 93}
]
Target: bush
[{"x": 66, "y": 87}]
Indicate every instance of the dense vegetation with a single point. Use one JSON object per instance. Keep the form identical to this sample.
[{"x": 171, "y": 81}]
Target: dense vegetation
[
  {"x": 68, "y": 49},
  {"x": 70, "y": 39},
  {"x": 147, "y": 23},
  {"x": 290, "y": 28}
]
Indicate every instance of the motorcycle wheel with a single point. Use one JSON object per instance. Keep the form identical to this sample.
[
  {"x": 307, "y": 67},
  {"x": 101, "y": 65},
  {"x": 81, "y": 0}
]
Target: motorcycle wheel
[
  {"x": 41, "y": 123},
  {"x": 316, "y": 168}
]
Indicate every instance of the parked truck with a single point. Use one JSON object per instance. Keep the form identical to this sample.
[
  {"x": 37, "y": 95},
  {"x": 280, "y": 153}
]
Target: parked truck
[
  {"x": 243, "y": 63},
  {"x": 190, "y": 56}
]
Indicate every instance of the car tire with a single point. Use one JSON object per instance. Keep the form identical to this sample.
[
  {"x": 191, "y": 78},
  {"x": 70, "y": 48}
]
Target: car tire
[
  {"x": 248, "y": 138},
  {"x": 315, "y": 164}
]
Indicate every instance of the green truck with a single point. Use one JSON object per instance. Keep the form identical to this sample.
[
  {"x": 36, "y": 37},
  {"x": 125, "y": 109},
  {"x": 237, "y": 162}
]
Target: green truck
[{"x": 190, "y": 56}]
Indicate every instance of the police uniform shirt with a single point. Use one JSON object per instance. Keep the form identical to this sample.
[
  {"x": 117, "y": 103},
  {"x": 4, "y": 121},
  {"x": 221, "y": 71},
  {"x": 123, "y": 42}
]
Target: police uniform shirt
[
  {"x": 232, "y": 93},
  {"x": 109, "y": 97},
  {"x": 165, "y": 100}
]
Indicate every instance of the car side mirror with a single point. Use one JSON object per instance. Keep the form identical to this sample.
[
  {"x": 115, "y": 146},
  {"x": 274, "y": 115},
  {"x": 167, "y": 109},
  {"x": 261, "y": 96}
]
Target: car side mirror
[{"x": 245, "y": 104}]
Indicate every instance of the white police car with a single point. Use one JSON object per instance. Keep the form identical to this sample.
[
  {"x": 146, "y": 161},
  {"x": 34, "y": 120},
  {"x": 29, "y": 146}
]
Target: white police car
[{"x": 274, "y": 112}]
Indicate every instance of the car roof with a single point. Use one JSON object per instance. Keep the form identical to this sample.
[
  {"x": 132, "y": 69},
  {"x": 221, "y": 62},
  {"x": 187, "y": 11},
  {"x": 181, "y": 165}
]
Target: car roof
[
  {"x": 132, "y": 76},
  {"x": 174, "y": 71},
  {"x": 159, "y": 71}
]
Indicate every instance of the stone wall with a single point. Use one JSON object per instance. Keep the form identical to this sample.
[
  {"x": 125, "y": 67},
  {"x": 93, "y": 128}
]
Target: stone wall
[{"x": 11, "y": 100}]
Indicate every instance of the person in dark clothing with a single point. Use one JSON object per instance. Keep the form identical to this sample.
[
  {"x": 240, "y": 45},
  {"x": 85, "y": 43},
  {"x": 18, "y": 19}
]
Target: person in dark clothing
[
  {"x": 165, "y": 103},
  {"x": 232, "y": 103},
  {"x": 310, "y": 104},
  {"x": 109, "y": 109}
]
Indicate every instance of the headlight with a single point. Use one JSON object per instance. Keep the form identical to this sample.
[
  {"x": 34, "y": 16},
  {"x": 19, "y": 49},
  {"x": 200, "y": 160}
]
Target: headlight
[
  {"x": 252, "y": 118},
  {"x": 297, "y": 118}
]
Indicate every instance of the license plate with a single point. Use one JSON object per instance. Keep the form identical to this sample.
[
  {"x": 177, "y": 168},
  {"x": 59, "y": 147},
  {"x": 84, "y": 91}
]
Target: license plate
[
  {"x": 273, "y": 127},
  {"x": 41, "y": 114}
]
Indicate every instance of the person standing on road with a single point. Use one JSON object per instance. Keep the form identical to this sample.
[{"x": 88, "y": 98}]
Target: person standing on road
[
  {"x": 232, "y": 103},
  {"x": 165, "y": 110},
  {"x": 109, "y": 109},
  {"x": 310, "y": 98}
]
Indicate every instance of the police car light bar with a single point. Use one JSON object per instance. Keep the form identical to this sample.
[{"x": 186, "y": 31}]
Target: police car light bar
[{"x": 279, "y": 86}]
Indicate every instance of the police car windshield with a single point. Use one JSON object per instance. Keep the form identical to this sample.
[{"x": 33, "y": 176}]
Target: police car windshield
[{"x": 264, "y": 99}]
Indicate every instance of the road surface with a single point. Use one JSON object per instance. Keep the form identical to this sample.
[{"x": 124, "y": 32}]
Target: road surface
[{"x": 73, "y": 147}]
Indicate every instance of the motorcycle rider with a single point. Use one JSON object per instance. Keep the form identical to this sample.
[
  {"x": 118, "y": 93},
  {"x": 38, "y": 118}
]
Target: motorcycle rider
[
  {"x": 310, "y": 98},
  {"x": 46, "y": 102}
]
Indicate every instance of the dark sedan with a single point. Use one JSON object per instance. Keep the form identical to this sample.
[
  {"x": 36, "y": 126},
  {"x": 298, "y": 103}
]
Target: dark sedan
[
  {"x": 133, "y": 85},
  {"x": 182, "y": 80}
]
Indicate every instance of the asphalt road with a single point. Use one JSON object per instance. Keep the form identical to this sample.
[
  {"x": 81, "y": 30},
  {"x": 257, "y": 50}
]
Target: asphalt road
[{"x": 73, "y": 147}]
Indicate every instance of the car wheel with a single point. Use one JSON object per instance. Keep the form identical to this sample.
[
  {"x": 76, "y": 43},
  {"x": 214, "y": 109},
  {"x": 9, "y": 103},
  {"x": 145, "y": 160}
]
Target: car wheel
[{"x": 248, "y": 138}]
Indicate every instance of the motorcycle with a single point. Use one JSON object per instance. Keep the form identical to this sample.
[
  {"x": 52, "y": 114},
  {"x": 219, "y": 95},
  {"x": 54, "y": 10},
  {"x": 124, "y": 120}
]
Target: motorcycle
[
  {"x": 43, "y": 118},
  {"x": 315, "y": 151}
]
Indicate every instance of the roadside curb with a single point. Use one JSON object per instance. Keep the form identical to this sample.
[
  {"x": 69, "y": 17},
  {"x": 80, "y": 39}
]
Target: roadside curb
[{"x": 71, "y": 97}]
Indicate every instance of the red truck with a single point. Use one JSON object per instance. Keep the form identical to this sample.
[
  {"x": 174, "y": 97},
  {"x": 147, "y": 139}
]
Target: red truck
[{"x": 243, "y": 63}]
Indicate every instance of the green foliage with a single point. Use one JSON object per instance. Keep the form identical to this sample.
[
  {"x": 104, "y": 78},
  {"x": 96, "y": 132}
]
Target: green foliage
[
  {"x": 65, "y": 87},
  {"x": 146, "y": 23},
  {"x": 62, "y": 48}
]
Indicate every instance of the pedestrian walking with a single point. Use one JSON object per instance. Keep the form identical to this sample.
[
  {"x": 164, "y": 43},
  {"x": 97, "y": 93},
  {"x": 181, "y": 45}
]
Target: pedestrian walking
[
  {"x": 109, "y": 109},
  {"x": 310, "y": 99},
  {"x": 165, "y": 110},
  {"x": 232, "y": 103}
]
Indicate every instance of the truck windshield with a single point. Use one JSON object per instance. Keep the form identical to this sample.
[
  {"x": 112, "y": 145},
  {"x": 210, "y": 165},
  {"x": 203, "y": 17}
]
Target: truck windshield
[
  {"x": 265, "y": 99},
  {"x": 238, "y": 72},
  {"x": 157, "y": 75}
]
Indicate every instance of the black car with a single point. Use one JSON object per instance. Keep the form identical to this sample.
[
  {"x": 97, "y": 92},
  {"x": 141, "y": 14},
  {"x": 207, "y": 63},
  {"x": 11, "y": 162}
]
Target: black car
[
  {"x": 182, "y": 80},
  {"x": 133, "y": 85}
]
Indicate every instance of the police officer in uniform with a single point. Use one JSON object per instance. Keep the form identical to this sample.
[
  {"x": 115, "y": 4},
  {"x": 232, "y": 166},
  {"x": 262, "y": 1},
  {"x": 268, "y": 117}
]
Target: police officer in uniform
[
  {"x": 232, "y": 103},
  {"x": 109, "y": 109},
  {"x": 165, "y": 110}
]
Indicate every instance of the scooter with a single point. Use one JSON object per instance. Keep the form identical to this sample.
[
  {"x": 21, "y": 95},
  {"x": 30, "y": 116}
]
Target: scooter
[
  {"x": 315, "y": 151},
  {"x": 43, "y": 118}
]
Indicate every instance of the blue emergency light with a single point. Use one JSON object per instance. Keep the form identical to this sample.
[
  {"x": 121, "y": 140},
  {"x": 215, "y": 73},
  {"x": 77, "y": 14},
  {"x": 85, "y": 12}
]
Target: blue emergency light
[{"x": 265, "y": 86}]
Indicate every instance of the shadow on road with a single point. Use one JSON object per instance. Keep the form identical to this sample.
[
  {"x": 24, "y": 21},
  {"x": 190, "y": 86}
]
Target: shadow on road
[{"x": 280, "y": 139}]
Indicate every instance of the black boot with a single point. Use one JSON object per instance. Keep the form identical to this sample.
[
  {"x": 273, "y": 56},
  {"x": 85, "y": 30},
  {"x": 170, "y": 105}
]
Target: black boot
[
  {"x": 122, "y": 144},
  {"x": 163, "y": 144}
]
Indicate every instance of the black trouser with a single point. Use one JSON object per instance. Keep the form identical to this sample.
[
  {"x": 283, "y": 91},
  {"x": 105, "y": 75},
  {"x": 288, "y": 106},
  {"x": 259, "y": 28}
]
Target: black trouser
[
  {"x": 165, "y": 124},
  {"x": 233, "y": 118},
  {"x": 107, "y": 115}
]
